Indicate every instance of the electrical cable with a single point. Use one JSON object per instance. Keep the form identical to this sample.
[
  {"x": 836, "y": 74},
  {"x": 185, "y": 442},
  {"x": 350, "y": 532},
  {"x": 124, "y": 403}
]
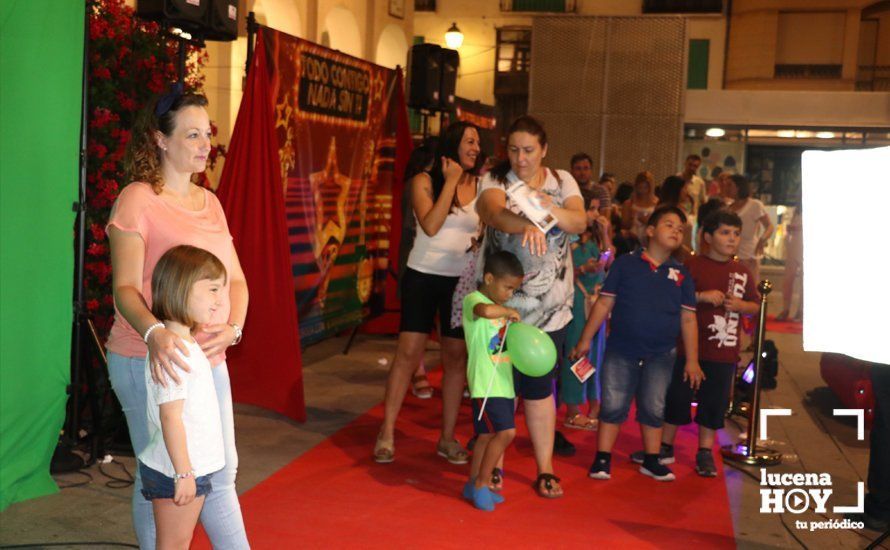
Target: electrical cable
[
  {"x": 78, "y": 483},
  {"x": 118, "y": 482}
]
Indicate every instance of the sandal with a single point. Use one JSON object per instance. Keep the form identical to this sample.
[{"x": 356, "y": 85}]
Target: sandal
[
  {"x": 452, "y": 452},
  {"x": 580, "y": 421},
  {"x": 420, "y": 386},
  {"x": 547, "y": 488},
  {"x": 384, "y": 451},
  {"x": 496, "y": 483}
]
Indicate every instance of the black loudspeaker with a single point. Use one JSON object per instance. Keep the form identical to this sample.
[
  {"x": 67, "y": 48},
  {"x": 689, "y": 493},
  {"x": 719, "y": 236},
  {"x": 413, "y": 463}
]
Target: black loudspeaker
[
  {"x": 450, "y": 61},
  {"x": 189, "y": 15},
  {"x": 222, "y": 20},
  {"x": 424, "y": 76}
]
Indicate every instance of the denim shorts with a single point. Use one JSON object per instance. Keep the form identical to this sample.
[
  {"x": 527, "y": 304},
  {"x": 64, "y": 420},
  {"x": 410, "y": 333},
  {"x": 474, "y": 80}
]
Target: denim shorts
[
  {"x": 646, "y": 379},
  {"x": 157, "y": 485}
]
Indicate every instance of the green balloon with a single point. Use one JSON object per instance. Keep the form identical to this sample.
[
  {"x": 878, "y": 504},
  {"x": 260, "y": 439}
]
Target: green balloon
[{"x": 531, "y": 350}]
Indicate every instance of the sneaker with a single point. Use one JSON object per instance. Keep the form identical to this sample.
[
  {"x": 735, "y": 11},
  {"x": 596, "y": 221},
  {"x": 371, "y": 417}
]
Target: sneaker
[
  {"x": 665, "y": 455},
  {"x": 600, "y": 469},
  {"x": 704, "y": 463},
  {"x": 562, "y": 446},
  {"x": 469, "y": 493},
  {"x": 483, "y": 499},
  {"x": 658, "y": 472}
]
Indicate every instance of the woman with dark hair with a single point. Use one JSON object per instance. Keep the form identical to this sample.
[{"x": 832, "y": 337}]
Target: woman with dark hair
[
  {"x": 675, "y": 192},
  {"x": 160, "y": 209},
  {"x": 754, "y": 216},
  {"x": 547, "y": 292},
  {"x": 444, "y": 206},
  {"x": 420, "y": 160}
]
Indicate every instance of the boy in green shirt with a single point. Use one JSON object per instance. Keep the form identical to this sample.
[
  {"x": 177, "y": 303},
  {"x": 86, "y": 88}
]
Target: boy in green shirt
[{"x": 485, "y": 323}]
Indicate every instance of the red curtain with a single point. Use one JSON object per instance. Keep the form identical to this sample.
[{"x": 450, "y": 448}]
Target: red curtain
[{"x": 266, "y": 368}]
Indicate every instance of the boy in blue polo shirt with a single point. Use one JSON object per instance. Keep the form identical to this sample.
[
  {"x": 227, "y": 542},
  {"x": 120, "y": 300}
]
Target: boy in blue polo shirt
[{"x": 652, "y": 300}]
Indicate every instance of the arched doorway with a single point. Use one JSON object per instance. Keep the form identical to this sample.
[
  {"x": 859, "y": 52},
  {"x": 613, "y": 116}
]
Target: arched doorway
[
  {"x": 341, "y": 32},
  {"x": 392, "y": 48}
]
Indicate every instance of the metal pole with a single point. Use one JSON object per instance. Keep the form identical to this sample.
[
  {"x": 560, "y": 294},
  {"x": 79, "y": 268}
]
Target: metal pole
[
  {"x": 749, "y": 453},
  {"x": 81, "y": 208},
  {"x": 251, "y": 34}
]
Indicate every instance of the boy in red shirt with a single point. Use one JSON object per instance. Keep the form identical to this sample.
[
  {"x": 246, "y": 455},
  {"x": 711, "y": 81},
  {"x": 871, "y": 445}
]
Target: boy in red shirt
[{"x": 724, "y": 291}]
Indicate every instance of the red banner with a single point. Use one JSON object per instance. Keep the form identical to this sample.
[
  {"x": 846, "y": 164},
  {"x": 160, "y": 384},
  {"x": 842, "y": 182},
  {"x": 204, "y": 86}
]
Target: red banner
[
  {"x": 308, "y": 188},
  {"x": 336, "y": 130}
]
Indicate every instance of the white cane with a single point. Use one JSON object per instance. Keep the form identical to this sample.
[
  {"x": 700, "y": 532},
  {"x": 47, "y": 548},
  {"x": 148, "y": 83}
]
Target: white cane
[{"x": 494, "y": 371}]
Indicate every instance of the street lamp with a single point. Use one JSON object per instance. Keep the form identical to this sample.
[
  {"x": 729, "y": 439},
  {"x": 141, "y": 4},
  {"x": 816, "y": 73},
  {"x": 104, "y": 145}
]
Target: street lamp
[{"x": 453, "y": 37}]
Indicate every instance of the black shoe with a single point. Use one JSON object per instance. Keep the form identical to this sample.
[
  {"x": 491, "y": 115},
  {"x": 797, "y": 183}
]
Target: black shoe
[
  {"x": 562, "y": 446},
  {"x": 665, "y": 455},
  {"x": 871, "y": 522},
  {"x": 600, "y": 469}
]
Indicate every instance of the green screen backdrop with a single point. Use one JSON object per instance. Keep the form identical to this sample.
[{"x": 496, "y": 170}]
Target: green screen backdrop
[{"x": 41, "y": 60}]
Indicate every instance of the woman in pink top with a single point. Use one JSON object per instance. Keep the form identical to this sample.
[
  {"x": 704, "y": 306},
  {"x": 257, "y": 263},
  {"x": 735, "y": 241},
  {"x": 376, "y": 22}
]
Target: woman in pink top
[{"x": 161, "y": 209}]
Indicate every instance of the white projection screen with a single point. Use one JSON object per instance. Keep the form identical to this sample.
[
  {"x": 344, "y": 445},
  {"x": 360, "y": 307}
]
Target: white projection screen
[{"x": 846, "y": 252}]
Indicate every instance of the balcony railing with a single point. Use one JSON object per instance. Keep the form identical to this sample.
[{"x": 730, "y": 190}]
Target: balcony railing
[
  {"x": 682, "y": 6},
  {"x": 553, "y": 6},
  {"x": 808, "y": 71},
  {"x": 424, "y": 5},
  {"x": 873, "y": 78}
]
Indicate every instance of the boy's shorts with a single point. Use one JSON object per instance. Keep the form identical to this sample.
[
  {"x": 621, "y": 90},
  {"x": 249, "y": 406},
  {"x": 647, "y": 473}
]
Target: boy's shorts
[
  {"x": 157, "y": 485},
  {"x": 498, "y": 415},
  {"x": 645, "y": 379},
  {"x": 712, "y": 395}
]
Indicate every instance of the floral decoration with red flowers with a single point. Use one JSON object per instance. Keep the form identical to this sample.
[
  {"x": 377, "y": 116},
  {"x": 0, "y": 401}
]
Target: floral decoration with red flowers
[{"x": 130, "y": 60}]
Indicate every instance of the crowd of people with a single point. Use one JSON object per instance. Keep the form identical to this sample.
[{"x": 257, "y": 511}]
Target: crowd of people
[
  {"x": 647, "y": 281},
  {"x": 613, "y": 279}
]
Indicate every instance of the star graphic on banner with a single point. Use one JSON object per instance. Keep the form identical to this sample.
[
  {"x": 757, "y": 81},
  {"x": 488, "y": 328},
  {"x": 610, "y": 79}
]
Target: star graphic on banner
[
  {"x": 330, "y": 189},
  {"x": 377, "y": 87}
]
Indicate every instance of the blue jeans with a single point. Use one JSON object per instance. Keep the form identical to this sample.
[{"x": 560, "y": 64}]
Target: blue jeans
[
  {"x": 646, "y": 379},
  {"x": 221, "y": 515}
]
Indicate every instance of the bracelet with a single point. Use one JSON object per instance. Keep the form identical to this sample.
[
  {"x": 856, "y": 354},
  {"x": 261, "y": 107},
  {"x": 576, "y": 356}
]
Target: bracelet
[
  {"x": 177, "y": 477},
  {"x": 150, "y": 329},
  {"x": 238, "y": 334}
]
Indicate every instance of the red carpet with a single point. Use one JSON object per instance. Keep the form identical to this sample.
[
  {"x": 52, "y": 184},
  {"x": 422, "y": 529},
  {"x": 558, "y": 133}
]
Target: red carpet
[
  {"x": 786, "y": 327},
  {"x": 336, "y": 496}
]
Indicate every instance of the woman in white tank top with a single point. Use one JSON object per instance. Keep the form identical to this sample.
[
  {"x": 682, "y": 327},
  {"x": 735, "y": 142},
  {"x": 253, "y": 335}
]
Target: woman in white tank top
[{"x": 443, "y": 201}]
